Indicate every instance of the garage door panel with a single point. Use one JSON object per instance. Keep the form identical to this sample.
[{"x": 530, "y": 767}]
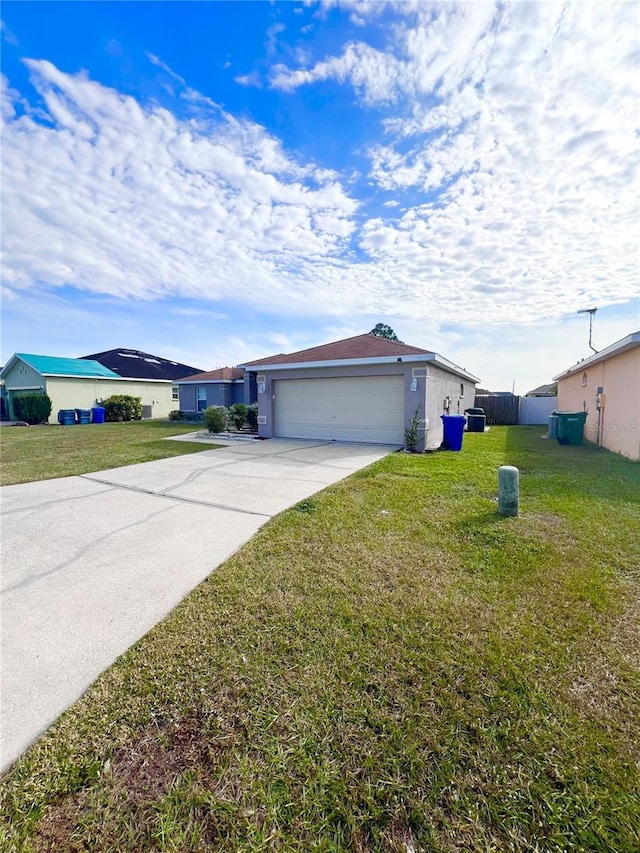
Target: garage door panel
[{"x": 369, "y": 408}]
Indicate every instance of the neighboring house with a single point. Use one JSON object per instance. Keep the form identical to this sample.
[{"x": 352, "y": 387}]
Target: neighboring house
[
  {"x": 222, "y": 387},
  {"x": 77, "y": 383},
  {"x": 363, "y": 388},
  {"x": 550, "y": 390},
  {"x": 606, "y": 385},
  {"x": 134, "y": 364}
]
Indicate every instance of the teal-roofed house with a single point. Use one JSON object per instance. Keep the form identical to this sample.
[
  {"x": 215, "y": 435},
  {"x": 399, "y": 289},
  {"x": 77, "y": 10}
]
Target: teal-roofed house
[{"x": 78, "y": 383}]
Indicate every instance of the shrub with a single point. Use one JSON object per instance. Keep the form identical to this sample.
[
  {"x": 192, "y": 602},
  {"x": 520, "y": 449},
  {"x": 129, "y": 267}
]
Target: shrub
[
  {"x": 32, "y": 408},
  {"x": 252, "y": 416},
  {"x": 238, "y": 415},
  {"x": 215, "y": 418},
  {"x": 122, "y": 407},
  {"x": 175, "y": 415},
  {"x": 411, "y": 435}
]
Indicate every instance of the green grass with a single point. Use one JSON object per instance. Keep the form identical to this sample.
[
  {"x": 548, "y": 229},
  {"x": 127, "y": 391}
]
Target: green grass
[
  {"x": 43, "y": 452},
  {"x": 388, "y": 666}
]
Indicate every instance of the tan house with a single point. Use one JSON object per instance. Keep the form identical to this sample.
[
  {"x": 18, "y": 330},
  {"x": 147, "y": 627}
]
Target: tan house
[
  {"x": 607, "y": 386},
  {"x": 76, "y": 383}
]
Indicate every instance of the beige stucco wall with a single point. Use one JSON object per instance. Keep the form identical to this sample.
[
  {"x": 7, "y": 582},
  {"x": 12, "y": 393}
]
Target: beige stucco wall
[
  {"x": 619, "y": 424},
  {"x": 72, "y": 393}
]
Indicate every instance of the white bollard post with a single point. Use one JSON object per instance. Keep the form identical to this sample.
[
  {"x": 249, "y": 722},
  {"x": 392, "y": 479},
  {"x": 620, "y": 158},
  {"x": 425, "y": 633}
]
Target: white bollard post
[{"x": 508, "y": 490}]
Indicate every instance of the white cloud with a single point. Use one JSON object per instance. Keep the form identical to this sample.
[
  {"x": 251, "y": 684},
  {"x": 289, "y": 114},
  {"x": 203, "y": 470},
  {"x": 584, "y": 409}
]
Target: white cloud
[
  {"x": 115, "y": 198},
  {"x": 508, "y": 168},
  {"x": 517, "y": 125}
]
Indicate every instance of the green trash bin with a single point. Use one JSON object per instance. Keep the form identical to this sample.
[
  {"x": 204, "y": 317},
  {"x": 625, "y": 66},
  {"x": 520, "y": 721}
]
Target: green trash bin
[{"x": 571, "y": 427}]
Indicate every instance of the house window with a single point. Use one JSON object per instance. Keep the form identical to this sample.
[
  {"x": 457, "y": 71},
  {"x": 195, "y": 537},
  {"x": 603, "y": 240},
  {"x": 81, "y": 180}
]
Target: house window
[
  {"x": 462, "y": 389},
  {"x": 584, "y": 379},
  {"x": 201, "y": 398},
  {"x": 175, "y": 393}
]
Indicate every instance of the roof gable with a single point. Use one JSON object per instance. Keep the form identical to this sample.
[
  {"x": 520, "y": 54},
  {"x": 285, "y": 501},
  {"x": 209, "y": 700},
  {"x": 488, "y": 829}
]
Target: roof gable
[
  {"x": 360, "y": 346},
  {"x": 222, "y": 374},
  {"x": 48, "y": 365}
]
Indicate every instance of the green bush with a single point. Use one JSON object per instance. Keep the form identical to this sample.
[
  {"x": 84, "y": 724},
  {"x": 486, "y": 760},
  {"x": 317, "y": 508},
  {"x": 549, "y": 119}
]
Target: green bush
[
  {"x": 252, "y": 416},
  {"x": 238, "y": 415},
  {"x": 411, "y": 435},
  {"x": 215, "y": 418},
  {"x": 32, "y": 408},
  {"x": 175, "y": 415},
  {"x": 122, "y": 407}
]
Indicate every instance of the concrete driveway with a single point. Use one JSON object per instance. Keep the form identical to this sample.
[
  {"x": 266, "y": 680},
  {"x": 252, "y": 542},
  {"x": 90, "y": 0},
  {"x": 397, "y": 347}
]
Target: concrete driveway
[{"x": 91, "y": 563}]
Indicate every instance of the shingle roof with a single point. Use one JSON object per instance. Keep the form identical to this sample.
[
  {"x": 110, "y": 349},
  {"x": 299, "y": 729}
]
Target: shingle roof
[
  {"x": 222, "y": 374},
  {"x": 49, "y": 365},
  {"x": 360, "y": 346},
  {"x": 548, "y": 390},
  {"x": 134, "y": 364}
]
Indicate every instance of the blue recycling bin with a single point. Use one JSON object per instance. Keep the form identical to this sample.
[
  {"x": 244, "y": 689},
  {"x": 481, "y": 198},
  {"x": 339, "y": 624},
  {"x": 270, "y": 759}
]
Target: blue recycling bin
[
  {"x": 453, "y": 427},
  {"x": 83, "y": 416},
  {"x": 66, "y": 417},
  {"x": 97, "y": 415}
]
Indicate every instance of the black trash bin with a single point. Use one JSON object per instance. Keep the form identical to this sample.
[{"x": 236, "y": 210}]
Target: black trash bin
[{"x": 476, "y": 419}]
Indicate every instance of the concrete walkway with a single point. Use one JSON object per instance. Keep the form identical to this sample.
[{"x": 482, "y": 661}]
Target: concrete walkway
[{"x": 91, "y": 563}]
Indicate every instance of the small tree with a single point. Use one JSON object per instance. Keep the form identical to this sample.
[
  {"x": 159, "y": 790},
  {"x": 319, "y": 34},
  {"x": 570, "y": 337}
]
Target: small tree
[
  {"x": 215, "y": 418},
  {"x": 238, "y": 414},
  {"x": 122, "y": 407},
  {"x": 381, "y": 330},
  {"x": 32, "y": 408},
  {"x": 411, "y": 434}
]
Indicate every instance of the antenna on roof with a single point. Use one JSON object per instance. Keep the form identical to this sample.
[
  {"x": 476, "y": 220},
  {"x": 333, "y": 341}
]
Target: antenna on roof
[{"x": 591, "y": 312}]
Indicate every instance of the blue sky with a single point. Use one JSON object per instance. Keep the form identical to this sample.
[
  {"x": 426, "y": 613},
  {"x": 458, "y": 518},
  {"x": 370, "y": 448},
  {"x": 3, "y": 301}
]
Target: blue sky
[{"x": 215, "y": 182}]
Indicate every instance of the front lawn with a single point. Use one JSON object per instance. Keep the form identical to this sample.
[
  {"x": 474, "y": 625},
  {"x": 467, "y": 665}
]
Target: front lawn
[
  {"x": 388, "y": 666},
  {"x": 43, "y": 452}
]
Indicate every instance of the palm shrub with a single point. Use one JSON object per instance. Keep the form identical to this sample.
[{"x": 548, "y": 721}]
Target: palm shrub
[
  {"x": 238, "y": 414},
  {"x": 32, "y": 408},
  {"x": 215, "y": 418},
  {"x": 411, "y": 435},
  {"x": 122, "y": 407}
]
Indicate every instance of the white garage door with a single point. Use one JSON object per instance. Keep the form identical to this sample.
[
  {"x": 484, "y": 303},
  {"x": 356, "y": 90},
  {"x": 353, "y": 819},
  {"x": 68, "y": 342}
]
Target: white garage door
[{"x": 366, "y": 408}]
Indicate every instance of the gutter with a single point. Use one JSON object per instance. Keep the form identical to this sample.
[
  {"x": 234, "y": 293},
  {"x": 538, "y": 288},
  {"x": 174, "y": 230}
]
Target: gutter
[
  {"x": 410, "y": 358},
  {"x": 631, "y": 341},
  {"x": 115, "y": 376}
]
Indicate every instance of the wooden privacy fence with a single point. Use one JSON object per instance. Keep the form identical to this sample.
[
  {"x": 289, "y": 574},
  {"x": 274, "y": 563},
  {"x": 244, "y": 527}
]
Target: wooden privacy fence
[
  {"x": 499, "y": 410},
  {"x": 510, "y": 410}
]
